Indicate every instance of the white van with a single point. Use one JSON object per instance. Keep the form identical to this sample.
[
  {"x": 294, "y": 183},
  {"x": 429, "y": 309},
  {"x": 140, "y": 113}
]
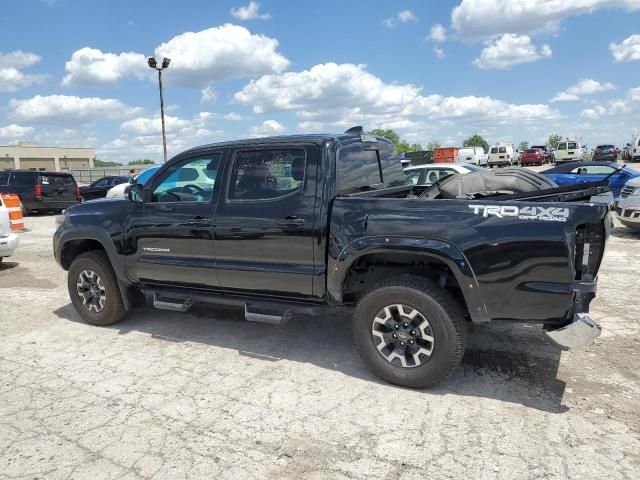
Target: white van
[
  {"x": 502, "y": 154},
  {"x": 634, "y": 149},
  {"x": 568, "y": 151},
  {"x": 8, "y": 239},
  {"x": 472, "y": 155}
]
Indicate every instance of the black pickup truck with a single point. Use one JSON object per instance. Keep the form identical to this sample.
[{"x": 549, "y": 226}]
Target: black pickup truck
[{"x": 313, "y": 223}]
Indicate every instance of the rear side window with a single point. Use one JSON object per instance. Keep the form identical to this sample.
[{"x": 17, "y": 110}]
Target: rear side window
[
  {"x": 267, "y": 174},
  {"x": 358, "y": 169}
]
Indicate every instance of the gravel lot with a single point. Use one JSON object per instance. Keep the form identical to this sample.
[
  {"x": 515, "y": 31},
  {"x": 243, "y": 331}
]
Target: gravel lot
[{"x": 207, "y": 395}]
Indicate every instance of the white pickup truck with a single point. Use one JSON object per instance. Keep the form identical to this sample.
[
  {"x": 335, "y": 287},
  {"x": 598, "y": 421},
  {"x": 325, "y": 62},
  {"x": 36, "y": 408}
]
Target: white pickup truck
[{"x": 8, "y": 239}]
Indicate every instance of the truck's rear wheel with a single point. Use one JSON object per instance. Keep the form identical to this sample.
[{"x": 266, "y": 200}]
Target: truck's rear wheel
[
  {"x": 409, "y": 331},
  {"x": 93, "y": 289}
]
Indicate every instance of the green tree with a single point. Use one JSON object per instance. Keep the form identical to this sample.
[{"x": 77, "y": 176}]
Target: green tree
[
  {"x": 476, "y": 140},
  {"x": 144, "y": 161},
  {"x": 402, "y": 145},
  {"x": 523, "y": 146},
  {"x": 553, "y": 140},
  {"x": 431, "y": 146},
  {"x": 102, "y": 163}
]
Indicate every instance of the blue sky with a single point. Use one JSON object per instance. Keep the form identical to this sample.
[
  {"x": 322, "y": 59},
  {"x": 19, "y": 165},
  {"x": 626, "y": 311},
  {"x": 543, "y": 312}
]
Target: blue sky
[{"x": 74, "y": 73}]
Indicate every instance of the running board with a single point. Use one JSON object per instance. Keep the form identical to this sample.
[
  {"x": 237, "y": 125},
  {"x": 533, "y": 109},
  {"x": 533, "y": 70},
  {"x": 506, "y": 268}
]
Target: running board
[
  {"x": 266, "y": 318},
  {"x": 172, "y": 306}
]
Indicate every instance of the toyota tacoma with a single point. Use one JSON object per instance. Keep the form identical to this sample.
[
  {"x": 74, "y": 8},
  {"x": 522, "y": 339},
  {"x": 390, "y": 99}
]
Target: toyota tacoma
[{"x": 315, "y": 223}]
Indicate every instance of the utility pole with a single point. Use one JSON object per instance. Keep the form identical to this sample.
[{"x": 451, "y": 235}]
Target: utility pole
[{"x": 151, "y": 61}]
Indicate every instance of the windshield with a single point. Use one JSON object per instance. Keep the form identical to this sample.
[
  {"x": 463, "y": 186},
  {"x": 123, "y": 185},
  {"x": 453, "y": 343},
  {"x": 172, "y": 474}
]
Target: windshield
[{"x": 146, "y": 175}]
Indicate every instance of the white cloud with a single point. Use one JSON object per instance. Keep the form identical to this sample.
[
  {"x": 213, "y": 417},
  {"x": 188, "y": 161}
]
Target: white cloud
[
  {"x": 586, "y": 86},
  {"x": 437, "y": 33},
  {"x": 440, "y": 53},
  {"x": 336, "y": 96},
  {"x": 208, "y": 95},
  {"x": 478, "y": 19},
  {"x": 267, "y": 129},
  {"x": 141, "y": 137},
  {"x": 13, "y": 132},
  {"x": 403, "y": 16},
  {"x": 250, "y": 12},
  {"x": 18, "y": 59},
  {"x": 219, "y": 53},
  {"x": 11, "y": 65},
  {"x": 628, "y": 50},
  {"x": 68, "y": 109},
  {"x": 594, "y": 113},
  {"x": 509, "y": 50},
  {"x": 90, "y": 66}
]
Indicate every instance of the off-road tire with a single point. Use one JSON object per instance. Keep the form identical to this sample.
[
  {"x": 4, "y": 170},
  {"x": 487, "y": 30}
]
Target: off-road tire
[
  {"x": 98, "y": 262},
  {"x": 434, "y": 304}
]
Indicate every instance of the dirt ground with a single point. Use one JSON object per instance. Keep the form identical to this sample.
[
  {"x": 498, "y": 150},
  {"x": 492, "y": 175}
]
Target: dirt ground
[{"x": 208, "y": 395}]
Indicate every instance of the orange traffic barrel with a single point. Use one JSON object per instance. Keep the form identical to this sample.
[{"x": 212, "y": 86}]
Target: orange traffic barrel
[{"x": 13, "y": 204}]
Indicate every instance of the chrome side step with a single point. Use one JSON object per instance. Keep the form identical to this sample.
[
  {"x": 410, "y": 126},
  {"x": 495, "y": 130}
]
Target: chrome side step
[
  {"x": 266, "y": 318},
  {"x": 172, "y": 306}
]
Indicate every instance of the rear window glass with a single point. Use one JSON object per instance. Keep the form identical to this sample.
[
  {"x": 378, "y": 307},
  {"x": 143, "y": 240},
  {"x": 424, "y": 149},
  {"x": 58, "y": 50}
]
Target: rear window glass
[
  {"x": 572, "y": 145},
  {"x": 539, "y": 147},
  {"x": 494, "y": 149},
  {"x": 562, "y": 146},
  {"x": 531, "y": 150},
  {"x": 57, "y": 180},
  {"x": 503, "y": 150},
  {"x": 605, "y": 147},
  {"x": 358, "y": 169}
]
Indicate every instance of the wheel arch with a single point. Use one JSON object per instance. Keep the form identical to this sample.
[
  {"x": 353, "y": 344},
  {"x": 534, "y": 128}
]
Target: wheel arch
[{"x": 422, "y": 256}]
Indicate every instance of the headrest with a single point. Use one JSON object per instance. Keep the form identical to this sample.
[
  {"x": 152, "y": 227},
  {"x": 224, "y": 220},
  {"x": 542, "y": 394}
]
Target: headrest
[{"x": 297, "y": 169}]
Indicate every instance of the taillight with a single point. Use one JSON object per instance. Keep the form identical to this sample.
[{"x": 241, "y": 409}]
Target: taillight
[
  {"x": 589, "y": 248},
  {"x": 77, "y": 191},
  {"x": 38, "y": 190}
]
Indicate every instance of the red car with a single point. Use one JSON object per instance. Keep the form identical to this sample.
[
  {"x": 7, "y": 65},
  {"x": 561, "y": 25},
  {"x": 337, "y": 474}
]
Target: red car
[{"x": 533, "y": 156}]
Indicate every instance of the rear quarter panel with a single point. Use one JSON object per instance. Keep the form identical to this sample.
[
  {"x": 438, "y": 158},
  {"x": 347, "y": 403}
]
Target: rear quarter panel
[{"x": 518, "y": 268}]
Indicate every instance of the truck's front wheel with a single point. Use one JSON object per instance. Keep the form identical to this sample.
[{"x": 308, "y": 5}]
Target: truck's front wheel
[
  {"x": 409, "y": 331},
  {"x": 93, "y": 289}
]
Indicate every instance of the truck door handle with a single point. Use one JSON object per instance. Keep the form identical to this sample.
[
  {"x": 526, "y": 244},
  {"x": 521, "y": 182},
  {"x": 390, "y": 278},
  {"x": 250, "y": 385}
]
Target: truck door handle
[{"x": 291, "y": 220}]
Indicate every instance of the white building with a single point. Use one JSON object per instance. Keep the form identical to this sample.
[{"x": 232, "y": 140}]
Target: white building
[{"x": 29, "y": 156}]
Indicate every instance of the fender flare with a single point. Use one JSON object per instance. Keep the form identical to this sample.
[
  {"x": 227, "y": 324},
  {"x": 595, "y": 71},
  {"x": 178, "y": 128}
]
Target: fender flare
[
  {"x": 443, "y": 251},
  {"x": 115, "y": 259}
]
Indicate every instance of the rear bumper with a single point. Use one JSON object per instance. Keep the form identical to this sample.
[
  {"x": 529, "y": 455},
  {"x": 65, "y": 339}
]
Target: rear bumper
[
  {"x": 580, "y": 332},
  {"x": 45, "y": 204},
  {"x": 8, "y": 245}
]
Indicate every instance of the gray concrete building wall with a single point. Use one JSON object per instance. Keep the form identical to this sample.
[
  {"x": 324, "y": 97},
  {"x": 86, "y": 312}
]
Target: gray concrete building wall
[{"x": 29, "y": 156}]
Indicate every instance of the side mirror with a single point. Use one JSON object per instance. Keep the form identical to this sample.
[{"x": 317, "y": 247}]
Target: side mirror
[{"x": 137, "y": 193}]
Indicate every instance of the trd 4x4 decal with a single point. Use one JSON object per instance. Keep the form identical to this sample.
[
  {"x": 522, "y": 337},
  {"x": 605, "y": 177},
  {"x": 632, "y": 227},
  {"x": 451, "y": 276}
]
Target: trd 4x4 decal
[{"x": 547, "y": 214}]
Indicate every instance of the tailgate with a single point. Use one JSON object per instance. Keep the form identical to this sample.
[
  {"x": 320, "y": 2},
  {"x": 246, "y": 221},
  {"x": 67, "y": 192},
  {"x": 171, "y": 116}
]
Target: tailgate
[{"x": 57, "y": 188}]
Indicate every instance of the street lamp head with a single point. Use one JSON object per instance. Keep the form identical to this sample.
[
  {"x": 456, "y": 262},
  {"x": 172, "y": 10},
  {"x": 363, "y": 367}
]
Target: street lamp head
[
  {"x": 152, "y": 62},
  {"x": 165, "y": 62}
]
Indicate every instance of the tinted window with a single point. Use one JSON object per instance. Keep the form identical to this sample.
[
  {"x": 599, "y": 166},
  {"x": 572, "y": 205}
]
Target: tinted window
[
  {"x": 593, "y": 170},
  {"x": 562, "y": 146},
  {"x": 189, "y": 181},
  {"x": 4, "y": 178},
  {"x": 358, "y": 169},
  {"x": 103, "y": 182},
  {"x": 540, "y": 147},
  {"x": 572, "y": 145},
  {"x": 494, "y": 149},
  {"x": 57, "y": 180},
  {"x": 531, "y": 150},
  {"x": 267, "y": 174}
]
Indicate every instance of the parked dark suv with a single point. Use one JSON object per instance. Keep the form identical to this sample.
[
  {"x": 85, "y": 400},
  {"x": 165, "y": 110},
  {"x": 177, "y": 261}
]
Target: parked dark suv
[{"x": 41, "y": 190}]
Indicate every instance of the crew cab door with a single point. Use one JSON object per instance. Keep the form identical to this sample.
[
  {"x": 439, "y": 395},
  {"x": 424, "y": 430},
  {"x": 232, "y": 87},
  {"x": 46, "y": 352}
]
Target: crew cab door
[
  {"x": 264, "y": 224},
  {"x": 170, "y": 235}
]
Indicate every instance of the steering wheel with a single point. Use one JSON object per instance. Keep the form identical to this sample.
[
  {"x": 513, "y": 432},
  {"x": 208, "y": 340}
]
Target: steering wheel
[{"x": 196, "y": 188}]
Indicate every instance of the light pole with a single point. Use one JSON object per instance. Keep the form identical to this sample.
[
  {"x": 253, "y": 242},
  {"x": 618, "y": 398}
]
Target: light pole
[{"x": 151, "y": 61}]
